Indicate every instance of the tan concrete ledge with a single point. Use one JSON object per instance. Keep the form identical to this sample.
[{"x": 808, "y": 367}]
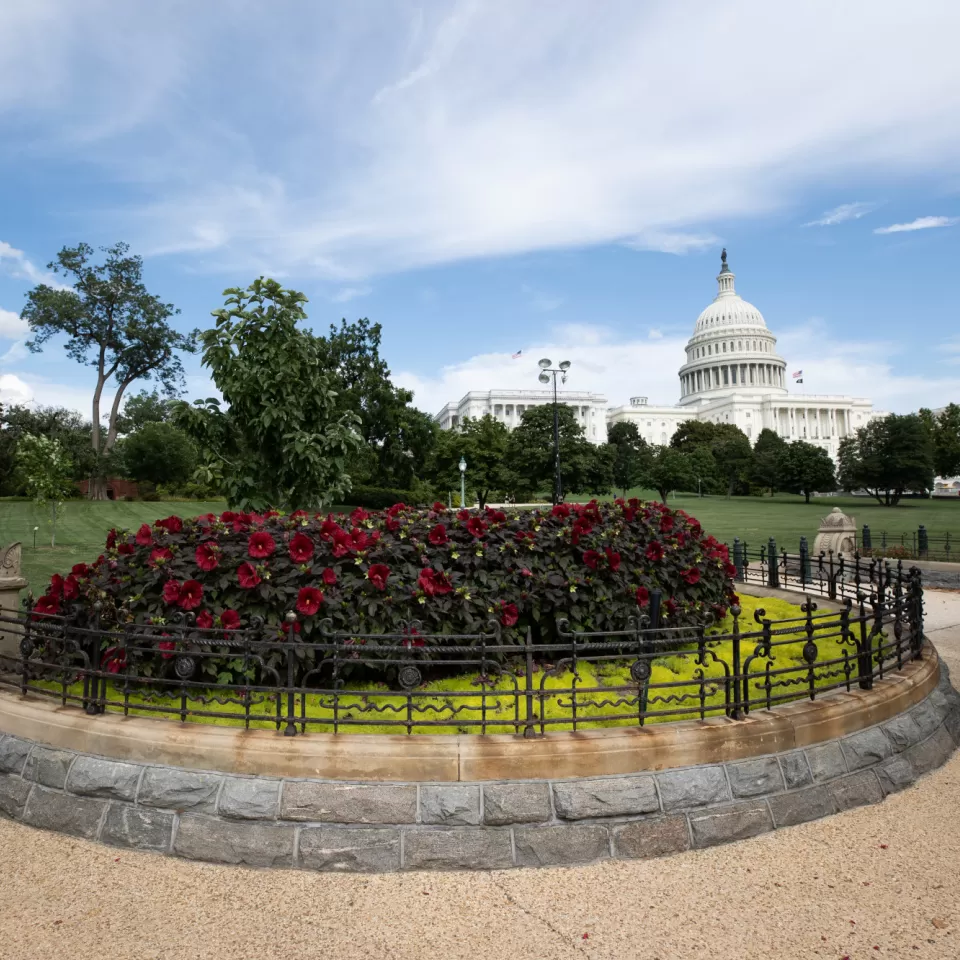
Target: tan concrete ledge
[{"x": 439, "y": 758}]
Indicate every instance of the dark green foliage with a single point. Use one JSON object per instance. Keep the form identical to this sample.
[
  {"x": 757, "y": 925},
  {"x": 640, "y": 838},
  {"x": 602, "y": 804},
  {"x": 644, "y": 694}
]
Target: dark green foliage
[
  {"x": 483, "y": 443},
  {"x": 729, "y": 445},
  {"x": 143, "y": 408},
  {"x": 158, "y": 453},
  {"x": 767, "y": 453},
  {"x": 806, "y": 468},
  {"x": 945, "y": 431},
  {"x": 631, "y": 455},
  {"x": 379, "y": 498},
  {"x": 668, "y": 470}
]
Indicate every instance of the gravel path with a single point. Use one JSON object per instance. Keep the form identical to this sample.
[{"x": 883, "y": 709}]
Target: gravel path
[{"x": 877, "y": 881}]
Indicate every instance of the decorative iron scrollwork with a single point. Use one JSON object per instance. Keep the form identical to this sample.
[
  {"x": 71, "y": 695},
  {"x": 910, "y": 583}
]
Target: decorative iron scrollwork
[
  {"x": 640, "y": 670},
  {"x": 184, "y": 667},
  {"x": 409, "y": 677}
]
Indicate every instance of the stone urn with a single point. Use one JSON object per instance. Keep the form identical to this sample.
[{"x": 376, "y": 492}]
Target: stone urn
[
  {"x": 837, "y": 534},
  {"x": 11, "y": 583}
]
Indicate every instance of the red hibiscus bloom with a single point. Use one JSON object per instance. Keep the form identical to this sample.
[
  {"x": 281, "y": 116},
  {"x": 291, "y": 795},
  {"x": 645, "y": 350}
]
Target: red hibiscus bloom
[
  {"x": 438, "y": 535},
  {"x": 114, "y": 659},
  {"x": 509, "y": 614},
  {"x": 438, "y": 507},
  {"x": 191, "y": 595},
  {"x": 643, "y": 596},
  {"x": 561, "y": 510},
  {"x": 695, "y": 529},
  {"x": 671, "y": 607},
  {"x": 247, "y": 576},
  {"x": 261, "y": 545},
  {"x": 230, "y": 620},
  {"x": 341, "y": 543},
  {"x": 56, "y": 586},
  {"x": 691, "y": 575},
  {"x": 476, "y": 527},
  {"x": 170, "y": 524},
  {"x": 145, "y": 535},
  {"x": 654, "y": 551},
  {"x": 681, "y": 538},
  {"x": 666, "y": 523},
  {"x": 228, "y": 516},
  {"x": 526, "y": 573},
  {"x": 301, "y": 548},
  {"x": 296, "y": 515},
  {"x": 204, "y": 619},
  {"x": 730, "y": 570},
  {"x": 46, "y": 606},
  {"x": 285, "y": 626},
  {"x": 392, "y": 524},
  {"x": 496, "y": 516},
  {"x": 359, "y": 540},
  {"x": 613, "y": 558},
  {"x": 167, "y": 646},
  {"x": 159, "y": 556},
  {"x": 80, "y": 570},
  {"x": 125, "y": 549},
  {"x": 111, "y": 539},
  {"x": 398, "y": 508},
  {"x": 433, "y": 583},
  {"x": 171, "y": 592},
  {"x": 71, "y": 588},
  {"x": 591, "y": 558},
  {"x": 329, "y": 577},
  {"x": 309, "y": 600},
  {"x": 328, "y": 528},
  {"x": 207, "y": 556},
  {"x": 377, "y": 575},
  {"x": 358, "y": 516},
  {"x": 463, "y": 515}
]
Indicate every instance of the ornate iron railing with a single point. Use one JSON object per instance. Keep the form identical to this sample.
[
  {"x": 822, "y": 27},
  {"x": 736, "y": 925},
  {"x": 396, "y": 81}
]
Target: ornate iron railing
[{"x": 485, "y": 682}]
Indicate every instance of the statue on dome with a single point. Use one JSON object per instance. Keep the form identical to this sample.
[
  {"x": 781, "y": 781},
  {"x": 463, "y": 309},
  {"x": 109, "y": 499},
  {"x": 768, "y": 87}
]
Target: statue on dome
[{"x": 723, "y": 256}]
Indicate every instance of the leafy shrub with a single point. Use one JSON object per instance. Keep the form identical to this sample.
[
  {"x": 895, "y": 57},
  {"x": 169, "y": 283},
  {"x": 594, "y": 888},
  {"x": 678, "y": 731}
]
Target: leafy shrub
[
  {"x": 453, "y": 571},
  {"x": 377, "y": 498},
  {"x": 893, "y": 552}
]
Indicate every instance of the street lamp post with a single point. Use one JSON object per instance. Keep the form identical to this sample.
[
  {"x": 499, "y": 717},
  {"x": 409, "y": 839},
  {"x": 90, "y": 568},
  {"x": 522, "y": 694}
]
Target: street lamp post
[
  {"x": 546, "y": 371},
  {"x": 463, "y": 483}
]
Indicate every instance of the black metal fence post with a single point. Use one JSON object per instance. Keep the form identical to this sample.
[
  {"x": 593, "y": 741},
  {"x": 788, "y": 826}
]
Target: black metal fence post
[
  {"x": 805, "y": 574},
  {"x": 736, "y": 708},
  {"x": 865, "y": 541},
  {"x": 864, "y": 668},
  {"x": 916, "y": 611},
  {"x": 773, "y": 571},
  {"x": 923, "y": 544},
  {"x": 738, "y": 557},
  {"x": 529, "y": 729}
]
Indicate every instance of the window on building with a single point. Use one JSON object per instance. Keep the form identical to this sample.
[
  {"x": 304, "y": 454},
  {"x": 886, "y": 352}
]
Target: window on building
[
  {"x": 724, "y": 347},
  {"x": 748, "y": 414}
]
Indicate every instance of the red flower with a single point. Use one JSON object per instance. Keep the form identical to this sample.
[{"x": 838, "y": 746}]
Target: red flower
[
  {"x": 463, "y": 515},
  {"x": 247, "y": 576},
  {"x": 125, "y": 549},
  {"x": 643, "y": 596},
  {"x": 525, "y": 573},
  {"x": 329, "y": 528},
  {"x": 230, "y": 620},
  {"x": 438, "y": 507},
  {"x": 170, "y": 524},
  {"x": 145, "y": 535},
  {"x": 521, "y": 536},
  {"x": 392, "y": 524},
  {"x": 191, "y": 595},
  {"x": 666, "y": 523},
  {"x": 509, "y": 614},
  {"x": 729, "y": 570},
  {"x": 434, "y": 583},
  {"x": 309, "y": 600},
  {"x": 438, "y": 535},
  {"x": 228, "y": 516},
  {"x": 691, "y": 575},
  {"x": 476, "y": 527},
  {"x": 204, "y": 619},
  {"x": 654, "y": 551},
  {"x": 397, "y": 508},
  {"x": 207, "y": 556},
  {"x": 671, "y": 607},
  {"x": 114, "y": 659},
  {"x": 329, "y": 577},
  {"x": 46, "y": 606},
  {"x": 496, "y": 516},
  {"x": 377, "y": 575},
  {"x": 56, "y": 586},
  {"x": 80, "y": 570},
  {"x": 167, "y": 645},
  {"x": 111, "y": 539},
  {"x": 358, "y": 516},
  {"x": 261, "y": 545},
  {"x": 613, "y": 558},
  {"x": 285, "y": 626},
  {"x": 301, "y": 548},
  {"x": 591, "y": 558},
  {"x": 341, "y": 543},
  {"x": 159, "y": 556},
  {"x": 71, "y": 588},
  {"x": 561, "y": 510},
  {"x": 171, "y": 592},
  {"x": 359, "y": 540}
]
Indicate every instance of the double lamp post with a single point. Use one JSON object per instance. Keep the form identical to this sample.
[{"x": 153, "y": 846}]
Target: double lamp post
[{"x": 546, "y": 372}]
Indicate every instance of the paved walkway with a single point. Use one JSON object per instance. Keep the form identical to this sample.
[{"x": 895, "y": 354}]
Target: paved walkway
[{"x": 881, "y": 881}]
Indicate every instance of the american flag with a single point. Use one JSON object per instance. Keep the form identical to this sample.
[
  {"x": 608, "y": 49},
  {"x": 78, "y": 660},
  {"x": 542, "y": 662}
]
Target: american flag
[
  {"x": 799, "y": 373},
  {"x": 517, "y": 354}
]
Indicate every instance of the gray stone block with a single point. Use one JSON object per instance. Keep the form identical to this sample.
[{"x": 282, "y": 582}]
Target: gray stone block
[
  {"x": 453, "y": 805},
  {"x": 48, "y": 767},
  {"x": 561, "y": 843},
  {"x": 53, "y": 810},
  {"x": 651, "y": 838},
  {"x": 516, "y": 803},
  {"x": 826, "y": 761},
  {"x": 866, "y": 748},
  {"x": 895, "y": 774},
  {"x": 255, "y": 844},
  {"x": 692, "y": 787},
  {"x": 796, "y": 769},
  {"x": 754, "y": 778},
  {"x": 250, "y": 798},
  {"x": 613, "y": 797},
  {"x": 811, "y": 803},
  {"x": 93, "y": 777},
  {"x": 736, "y": 822},
  {"x": 13, "y": 795},
  {"x": 952, "y": 723},
  {"x": 139, "y": 827},
  {"x": 926, "y": 717},
  {"x": 932, "y": 753},
  {"x": 856, "y": 790},
  {"x": 13, "y": 754},
  {"x": 333, "y": 802},
  {"x": 457, "y": 848},
  {"x": 902, "y": 732},
  {"x": 350, "y": 849},
  {"x": 179, "y": 790}
]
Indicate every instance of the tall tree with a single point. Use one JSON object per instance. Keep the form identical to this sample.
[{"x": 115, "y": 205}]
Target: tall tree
[
  {"x": 46, "y": 472},
  {"x": 284, "y": 441},
  {"x": 158, "y": 453},
  {"x": 483, "y": 444},
  {"x": 630, "y": 455},
  {"x": 767, "y": 453},
  {"x": 806, "y": 468},
  {"x": 945, "y": 430},
  {"x": 114, "y": 325},
  {"x": 69, "y": 428},
  {"x": 143, "y": 408},
  {"x": 668, "y": 470}
]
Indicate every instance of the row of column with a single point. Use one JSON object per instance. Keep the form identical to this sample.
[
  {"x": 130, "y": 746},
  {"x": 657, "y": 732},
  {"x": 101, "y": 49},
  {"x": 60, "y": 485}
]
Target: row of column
[
  {"x": 812, "y": 423},
  {"x": 725, "y": 375}
]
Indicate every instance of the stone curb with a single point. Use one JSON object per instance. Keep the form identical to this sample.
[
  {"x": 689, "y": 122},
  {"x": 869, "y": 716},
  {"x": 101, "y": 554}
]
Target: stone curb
[{"x": 381, "y": 827}]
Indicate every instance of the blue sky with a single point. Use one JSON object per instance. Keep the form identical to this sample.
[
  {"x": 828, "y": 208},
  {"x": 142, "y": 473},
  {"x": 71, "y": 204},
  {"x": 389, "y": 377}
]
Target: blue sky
[{"x": 484, "y": 177}]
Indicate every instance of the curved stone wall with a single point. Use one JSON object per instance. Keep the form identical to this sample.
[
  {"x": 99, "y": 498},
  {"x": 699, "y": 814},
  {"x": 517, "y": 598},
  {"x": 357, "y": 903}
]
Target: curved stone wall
[{"x": 381, "y": 826}]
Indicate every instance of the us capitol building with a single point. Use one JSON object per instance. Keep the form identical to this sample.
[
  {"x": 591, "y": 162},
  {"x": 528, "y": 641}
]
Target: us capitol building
[{"x": 733, "y": 374}]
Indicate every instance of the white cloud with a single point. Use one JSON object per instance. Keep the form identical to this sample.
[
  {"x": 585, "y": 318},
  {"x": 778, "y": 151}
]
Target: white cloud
[
  {"x": 15, "y": 352},
  {"x": 679, "y": 243},
  {"x": 346, "y": 294},
  {"x": 14, "y": 261},
  {"x": 11, "y": 326},
  {"x": 921, "y": 223},
  {"x": 846, "y": 211},
  {"x": 655, "y": 334}
]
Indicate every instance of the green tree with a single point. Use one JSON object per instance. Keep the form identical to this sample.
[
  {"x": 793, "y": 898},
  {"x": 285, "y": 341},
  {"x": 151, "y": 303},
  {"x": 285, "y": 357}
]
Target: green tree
[
  {"x": 158, "y": 453},
  {"x": 483, "y": 444},
  {"x": 694, "y": 433},
  {"x": 630, "y": 455},
  {"x": 767, "y": 452},
  {"x": 887, "y": 457},
  {"x": 668, "y": 470},
  {"x": 284, "y": 441},
  {"x": 733, "y": 454},
  {"x": 945, "y": 431},
  {"x": 143, "y": 408},
  {"x": 806, "y": 468},
  {"x": 112, "y": 324},
  {"x": 46, "y": 470},
  {"x": 702, "y": 473}
]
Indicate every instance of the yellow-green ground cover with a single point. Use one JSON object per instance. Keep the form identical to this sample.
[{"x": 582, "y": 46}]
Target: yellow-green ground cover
[{"x": 606, "y": 694}]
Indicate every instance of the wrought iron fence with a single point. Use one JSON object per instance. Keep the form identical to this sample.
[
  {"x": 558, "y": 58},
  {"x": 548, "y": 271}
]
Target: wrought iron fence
[
  {"x": 919, "y": 544},
  {"x": 493, "y": 681}
]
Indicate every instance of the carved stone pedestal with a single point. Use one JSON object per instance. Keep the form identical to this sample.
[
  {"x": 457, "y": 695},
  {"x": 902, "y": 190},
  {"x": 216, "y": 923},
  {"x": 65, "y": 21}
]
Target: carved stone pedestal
[{"x": 11, "y": 583}]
